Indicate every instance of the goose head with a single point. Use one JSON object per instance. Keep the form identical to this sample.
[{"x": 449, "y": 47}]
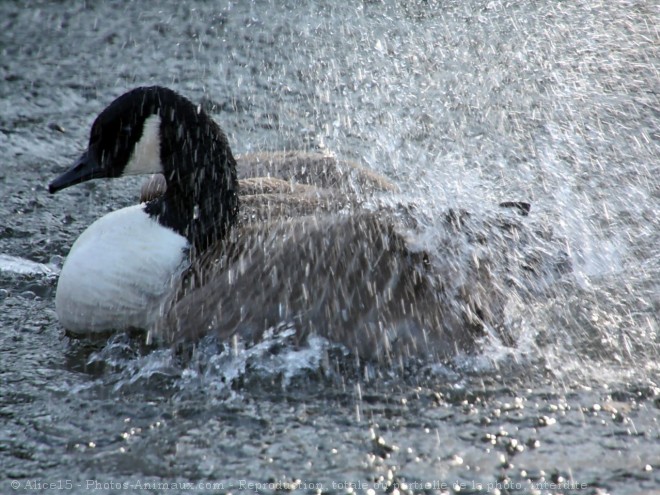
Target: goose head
[{"x": 155, "y": 130}]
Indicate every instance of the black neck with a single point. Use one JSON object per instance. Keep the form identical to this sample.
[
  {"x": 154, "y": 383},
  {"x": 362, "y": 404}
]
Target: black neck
[{"x": 201, "y": 200}]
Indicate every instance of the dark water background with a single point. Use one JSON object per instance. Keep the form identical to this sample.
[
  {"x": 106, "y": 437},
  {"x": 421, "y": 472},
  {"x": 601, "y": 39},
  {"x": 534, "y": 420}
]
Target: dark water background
[{"x": 461, "y": 103}]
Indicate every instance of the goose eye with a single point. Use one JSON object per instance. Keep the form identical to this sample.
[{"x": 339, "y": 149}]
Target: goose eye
[
  {"x": 126, "y": 129},
  {"x": 94, "y": 138}
]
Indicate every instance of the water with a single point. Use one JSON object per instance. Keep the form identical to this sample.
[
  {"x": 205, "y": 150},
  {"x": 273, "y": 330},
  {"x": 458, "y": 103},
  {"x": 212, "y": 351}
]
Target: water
[{"x": 461, "y": 103}]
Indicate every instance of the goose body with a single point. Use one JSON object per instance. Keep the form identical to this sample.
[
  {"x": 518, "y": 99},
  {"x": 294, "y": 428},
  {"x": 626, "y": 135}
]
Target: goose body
[
  {"x": 118, "y": 272},
  {"x": 295, "y": 246}
]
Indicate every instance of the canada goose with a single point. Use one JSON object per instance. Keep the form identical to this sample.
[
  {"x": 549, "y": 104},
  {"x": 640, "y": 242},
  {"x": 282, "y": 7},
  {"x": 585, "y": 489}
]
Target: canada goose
[{"x": 297, "y": 247}]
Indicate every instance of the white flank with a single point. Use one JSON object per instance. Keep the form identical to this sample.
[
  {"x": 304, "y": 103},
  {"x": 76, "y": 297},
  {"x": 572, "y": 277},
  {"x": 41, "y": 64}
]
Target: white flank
[
  {"x": 146, "y": 155},
  {"x": 118, "y": 273}
]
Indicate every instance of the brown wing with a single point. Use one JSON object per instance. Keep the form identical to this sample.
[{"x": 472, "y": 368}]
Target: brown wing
[{"x": 350, "y": 278}]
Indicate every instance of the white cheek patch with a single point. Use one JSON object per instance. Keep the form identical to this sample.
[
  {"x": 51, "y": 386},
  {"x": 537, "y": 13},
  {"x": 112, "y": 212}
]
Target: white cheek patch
[{"x": 146, "y": 155}]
